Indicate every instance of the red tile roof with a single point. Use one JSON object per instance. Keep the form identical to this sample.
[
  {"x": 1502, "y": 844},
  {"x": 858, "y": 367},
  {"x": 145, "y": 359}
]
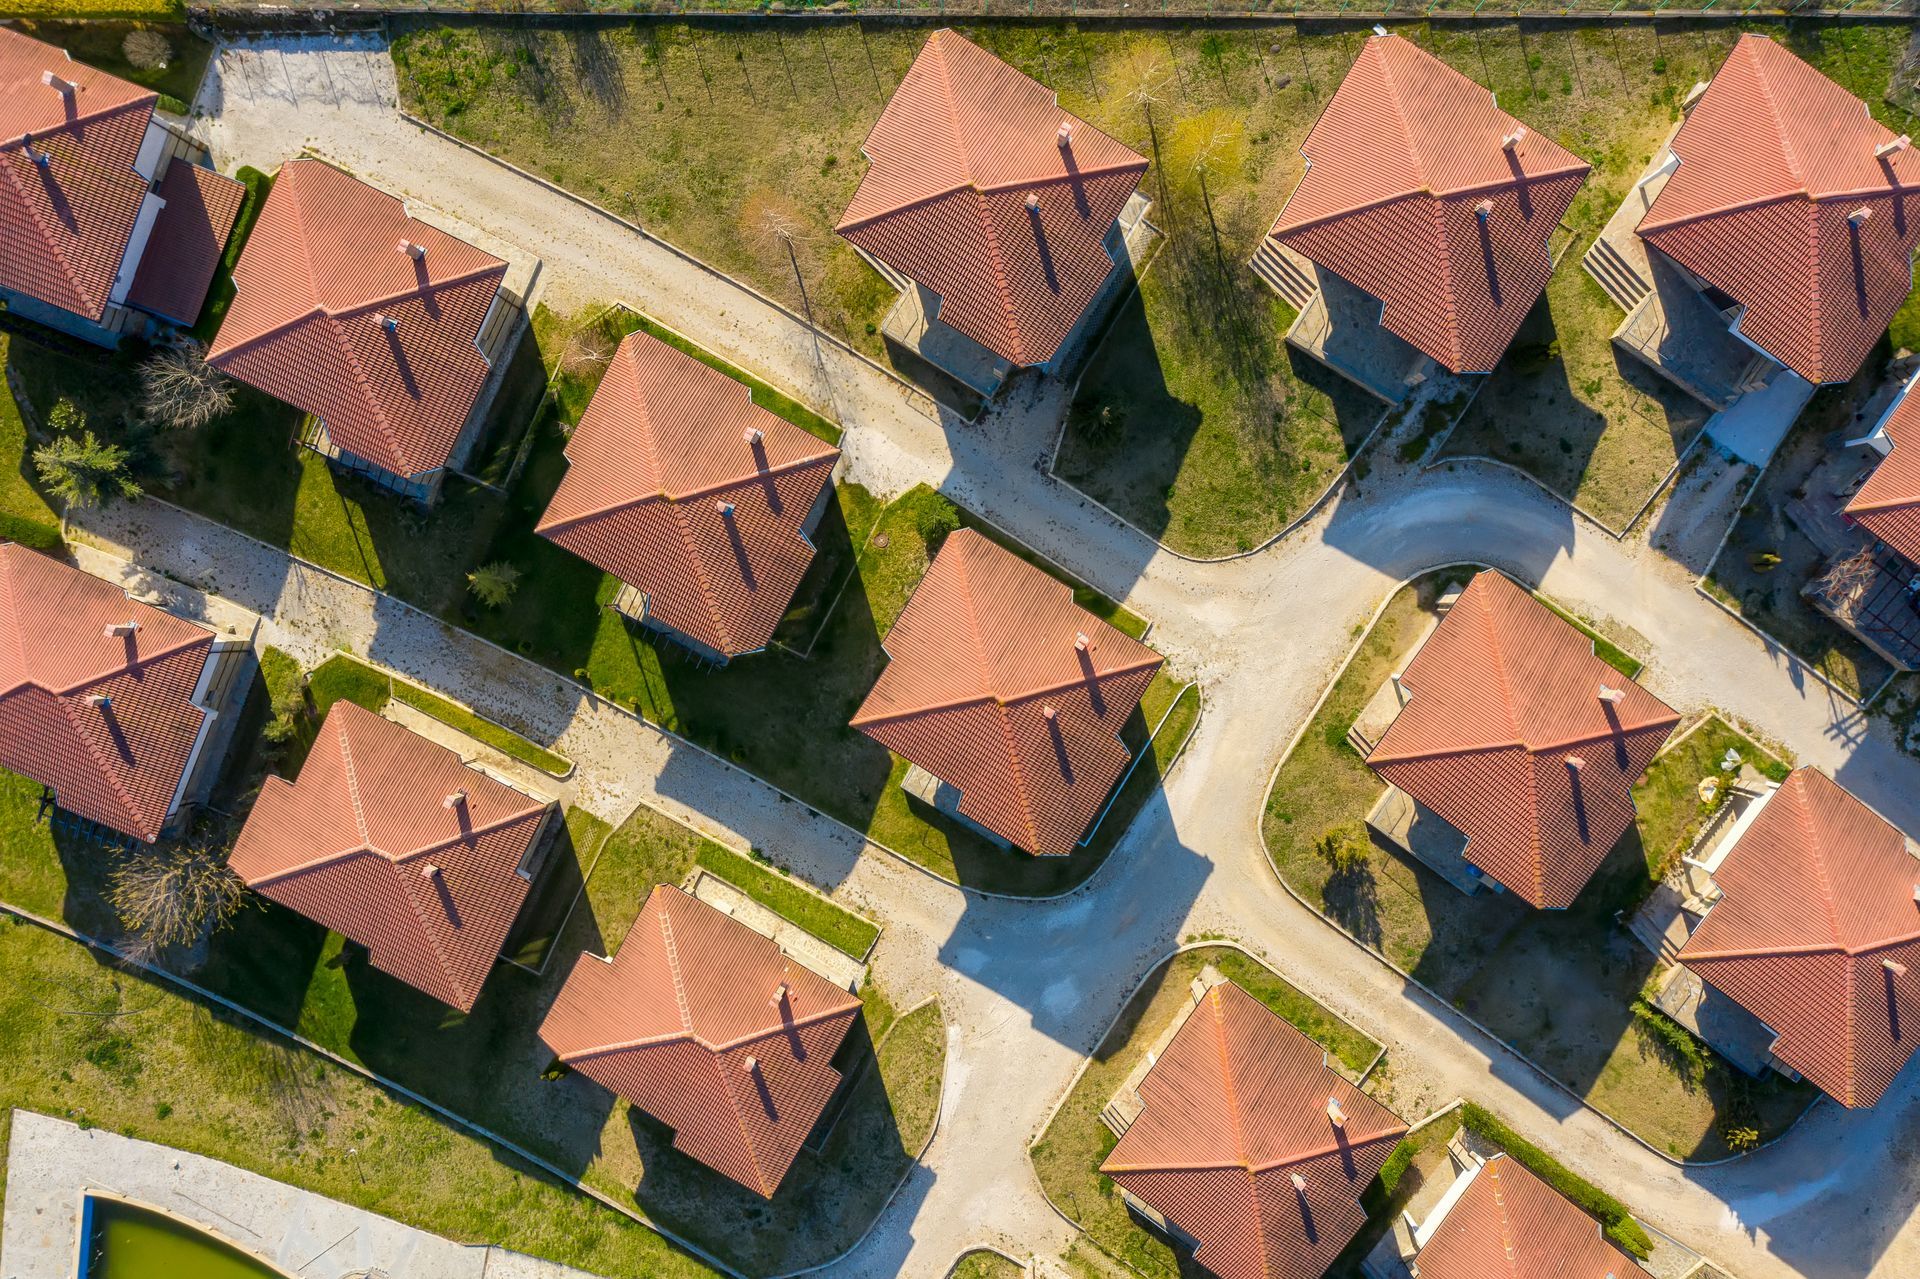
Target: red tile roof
[
  {"x": 365, "y": 843},
  {"x": 704, "y": 1024},
  {"x": 1775, "y": 159},
  {"x": 322, "y": 276},
  {"x": 989, "y": 691},
  {"x": 958, "y": 160},
  {"x": 679, "y": 485},
  {"x": 1509, "y": 1223},
  {"x": 1410, "y": 195},
  {"x": 1888, "y": 504},
  {"x": 1818, "y": 935},
  {"x": 1236, "y": 1108},
  {"x": 119, "y": 762},
  {"x": 188, "y": 238},
  {"x": 1507, "y": 738},
  {"x": 64, "y": 228}
]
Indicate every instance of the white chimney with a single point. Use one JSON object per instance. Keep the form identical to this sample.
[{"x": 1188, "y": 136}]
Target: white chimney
[
  {"x": 1081, "y": 642},
  {"x": 99, "y": 699},
  {"x": 1614, "y": 695},
  {"x": 753, "y": 1065},
  {"x": 1858, "y": 218},
  {"x": 385, "y": 321},
  {"x": 1894, "y": 147},
  {"x": 753, "y": 435},
  {"x": 779, "y": 995},
  {"x": 1484, "y": 209},
  {"x": 1576, "y": 763},
  {"x": 724, "y": 507},
  {"x": 1895, "y": 967},
  {"x": 64, "y": 88},
  {"x": 429, "y": 871},
  {"x": 1065, "y": 136},
  {"x": 412, "y": 250},
  {"x": 121, "y": 630},
  {"x": 1033, "y": 200},
  {"x": 454, "y": 800},
  {"x": 1336, "y": 1112},
  {"x": 1048, "y": 711},
  {"x": 1515, "y": 138},
  {"x": 1299, "y": 1183}
]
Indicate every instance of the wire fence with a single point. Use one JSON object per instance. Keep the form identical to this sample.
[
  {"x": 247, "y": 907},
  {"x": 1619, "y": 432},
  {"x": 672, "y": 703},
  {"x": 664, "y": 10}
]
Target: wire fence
[{"x": 1334, "y": 11}]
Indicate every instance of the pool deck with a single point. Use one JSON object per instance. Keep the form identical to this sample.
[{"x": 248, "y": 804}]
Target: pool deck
[{"x": 51, "y": 1162}]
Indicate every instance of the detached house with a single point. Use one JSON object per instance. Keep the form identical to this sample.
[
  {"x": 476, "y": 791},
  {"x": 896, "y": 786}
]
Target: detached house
[
  {"x": 697, "y": 499},
  {"x": 109, "y": 703},
  {"x": 1420, "y": 230},
  {"x": 393, "y": 842},
  {"x": 1246, "y": 1146},
  {"x": 1001, "y": 218},
  {"x": 1507, "y": 734},
  {"x": 1774, "y": 230},
  {"x": 1809, "y": 921},
  {"x": 385, "y": 329},
  {"x": 1006, "y": 697},
  {"x": 109, "y": 223},
  {"x": 710, "y": 1028}
]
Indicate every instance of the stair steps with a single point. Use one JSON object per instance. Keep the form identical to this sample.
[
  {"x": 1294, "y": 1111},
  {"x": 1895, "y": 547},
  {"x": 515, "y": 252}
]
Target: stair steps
[
  {"x": 1272, "y": 264},
  {"x": 1626, "y": 286}
]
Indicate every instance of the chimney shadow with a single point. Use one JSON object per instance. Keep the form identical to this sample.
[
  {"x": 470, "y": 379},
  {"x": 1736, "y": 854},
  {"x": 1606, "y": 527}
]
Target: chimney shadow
[{"x": 1046, "y": 253}]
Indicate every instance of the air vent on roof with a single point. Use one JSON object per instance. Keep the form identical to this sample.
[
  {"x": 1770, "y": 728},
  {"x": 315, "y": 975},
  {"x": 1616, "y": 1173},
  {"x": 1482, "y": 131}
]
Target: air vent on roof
[
  {"x": 1894, "y": 147},
  {"x": 1048, "y": 711},
  {"x": 1336, "y": 1112},
  {"x": 121, "y": 630},
  {"x": 454, "y": 800},
  {"x": 1033, "y": 200},
  {"x": 753, "y": 435},
  {"x": 1894, "y": 966},
  {"x": 412, "y": 250},
  {"x": 1484, "y": 209},
  {"x": 64, "y": 88},
  {"x": 1576, "y": 763},
  {"x": 385, "y": 321},
  {"x": 1515, "y": 138},
  {"x": 1858, "y": 218},
  {"x": 753, "y": 1065},
  {"x": 1614, "y": 695},
  {"x": 1299, "y": 1183}
]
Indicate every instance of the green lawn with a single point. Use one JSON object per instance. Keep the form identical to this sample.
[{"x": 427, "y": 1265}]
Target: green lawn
[
  {"x": 24, "y": 514},
  {"x": 1559, "y": 985},
  {"x": 792, "y": 900},
  {"x": 981, "y": 1264},
  {"x": 1068, "y": 1155},
  {"x": 487, "y": 1065}
]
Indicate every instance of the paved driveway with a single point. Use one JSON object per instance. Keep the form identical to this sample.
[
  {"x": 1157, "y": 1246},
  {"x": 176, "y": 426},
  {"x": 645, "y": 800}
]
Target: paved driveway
[{"x": 1031, "y": 986}]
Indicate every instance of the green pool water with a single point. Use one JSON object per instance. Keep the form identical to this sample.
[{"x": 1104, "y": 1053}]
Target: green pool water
[{"x": 130, "y": 1242}]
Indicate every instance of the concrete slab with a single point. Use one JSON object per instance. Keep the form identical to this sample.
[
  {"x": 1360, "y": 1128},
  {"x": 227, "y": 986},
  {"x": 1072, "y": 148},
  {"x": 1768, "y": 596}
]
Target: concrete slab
[
  {"x": 1340, "y": 328},
  {"x": 794, "y": 941},
  {"x": 51, "y": 1164},
  {"x": 1721, "y": 1024},
  {"x": 1753, "y": 428},
  {"x": 1423, "y": 834}
]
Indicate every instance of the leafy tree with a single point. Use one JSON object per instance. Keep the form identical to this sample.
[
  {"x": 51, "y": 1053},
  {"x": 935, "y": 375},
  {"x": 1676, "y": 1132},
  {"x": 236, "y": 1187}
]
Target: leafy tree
[
  {"x": 494, "y": 584},
  {"x": 82, "y": 471},
  {"x": 1345, "y": 847}
]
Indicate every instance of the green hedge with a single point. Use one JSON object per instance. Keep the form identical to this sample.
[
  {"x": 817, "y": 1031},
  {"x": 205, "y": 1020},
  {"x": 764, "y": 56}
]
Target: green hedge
[
  {"x": 1617, "y": 1223},
  {"x": 220, "y": 296}
]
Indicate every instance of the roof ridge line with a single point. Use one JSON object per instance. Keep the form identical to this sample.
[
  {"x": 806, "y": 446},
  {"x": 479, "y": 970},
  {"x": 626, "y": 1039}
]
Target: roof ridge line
[
  {"x": 1506, "y": 1222},
  {"x": 1000, "y": 716},
  {"x": 391, "y": 859},
  {"x": 699, "y": 566},
  {"x": 997, "y": 262},
  {"x": 1153, "y": 659},
  {"x": 358, "y": 373},
  {"x": 947, "y": 100},
  {"x": 141, "y": 663},
  {"x": 1498, "y": 652},
  {"x": 673, "y": 970},
  {"x": 46, "y": 238},
  {"x": 1737, "y": 206},
  {"x": 1449, "y": 301},
  {"x": 433, "y": 287},
  {"x": 434, "y": 952},
  {"x": 1817, "y": 850},
  {"x": 712, "y": 1046},
  {"x": 149, "y": 98},
  {"x": 353, "y": 782},
  {"x": 1811, "y": 948},
  {"x": 1092, "y": 171},
  {"x": 1773, "y": 110},
  {"x": 720, "y": 1064},
  {"x": 690, "y": 495}
]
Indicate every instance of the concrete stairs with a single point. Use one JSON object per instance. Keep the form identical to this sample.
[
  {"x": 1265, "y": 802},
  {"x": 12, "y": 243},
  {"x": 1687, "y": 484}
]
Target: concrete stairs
[
  {"x": 1271, "y": 263},
  {"x": 1626, "y": 286}
]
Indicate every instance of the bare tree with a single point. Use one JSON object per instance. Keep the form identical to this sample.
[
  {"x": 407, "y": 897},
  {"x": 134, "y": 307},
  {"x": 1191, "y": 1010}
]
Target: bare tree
[
  {"x": 180, "y": 389},
  {"x": 586, "y": 351},
  {"x": 146, "y": 49},
  {"x": 174, "y": 896}
]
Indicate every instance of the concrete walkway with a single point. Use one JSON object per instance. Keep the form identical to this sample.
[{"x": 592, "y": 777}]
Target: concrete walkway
[
  {"x": 52, "y": 1163},
  {"x": 1030, "y": 986}
]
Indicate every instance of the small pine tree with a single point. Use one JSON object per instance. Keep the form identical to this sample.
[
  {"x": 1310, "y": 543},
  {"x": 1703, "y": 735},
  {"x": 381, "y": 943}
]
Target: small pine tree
[
  {"x": 81, "y": 471},
  {"x": 494, "y": 584}
]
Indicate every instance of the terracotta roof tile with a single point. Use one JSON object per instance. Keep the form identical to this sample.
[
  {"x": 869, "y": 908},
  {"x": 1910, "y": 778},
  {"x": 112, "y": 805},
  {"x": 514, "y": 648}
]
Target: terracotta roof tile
[
  {"x": 1236, "y": 1108},
  {"x": 1504, "y": 698},
  {"x": 64, "y": 226},
  {"x": 984, "y": 650},
  {"x": 364, "y": 843},
  {"x": 1818, "y": 935},
  {"x": 320, "y": 279},
  {"x": 1774, "y": 160},
  {"x": 121, "y": 762},
  {"x": 1888, "y": 504},
  {"x": 188, "y": 238},
  {"x": 704, "y": 1024},
  {"x": 964, "y": 144},
  {"x": 661, "y": 450},
  {"x": 1508, "y": 1224},
  {"x": 1410, "y": 195}
]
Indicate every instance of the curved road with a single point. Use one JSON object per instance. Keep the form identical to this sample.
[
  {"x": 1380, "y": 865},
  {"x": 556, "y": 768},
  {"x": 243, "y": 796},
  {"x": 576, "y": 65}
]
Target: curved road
[{"x": 1030, "y": 986}]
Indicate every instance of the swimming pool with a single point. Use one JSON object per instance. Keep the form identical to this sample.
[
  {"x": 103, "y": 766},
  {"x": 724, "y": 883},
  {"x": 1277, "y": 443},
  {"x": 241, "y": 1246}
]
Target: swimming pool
[{"x": 123, "y": 1240}]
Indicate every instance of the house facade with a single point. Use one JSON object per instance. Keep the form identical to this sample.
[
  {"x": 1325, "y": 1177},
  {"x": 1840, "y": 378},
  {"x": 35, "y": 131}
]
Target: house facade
[
  {"x": 113, "y": 226},
  {"x": 118, "y": 708},
  {"x": 700, "y": 502},
  {"x": 1003, "y": 220},
  {"x": 387, "y": 330}
]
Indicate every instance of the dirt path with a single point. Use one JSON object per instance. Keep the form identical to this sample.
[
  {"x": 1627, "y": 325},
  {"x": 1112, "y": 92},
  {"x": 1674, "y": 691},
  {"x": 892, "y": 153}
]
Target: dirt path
[{"x": 1030, "y": 986}]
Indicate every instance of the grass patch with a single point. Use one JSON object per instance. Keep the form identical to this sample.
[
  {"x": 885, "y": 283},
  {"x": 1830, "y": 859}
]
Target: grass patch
[
  {"x": 1603, "y": 648},
  {"x": 25, "y": 516},
  {"x": 1068, "y": 1155},
  {"x": 220, "y": 294},
  {"x": 1767, "y": 561},
  {"x": 1558, "y": 985},
  {"x": 839, "y": 928},
  {"x": 982, "y": 1264},
  {"x": 98, "y": 44},
  {"x": 1615, "y": 1221}
]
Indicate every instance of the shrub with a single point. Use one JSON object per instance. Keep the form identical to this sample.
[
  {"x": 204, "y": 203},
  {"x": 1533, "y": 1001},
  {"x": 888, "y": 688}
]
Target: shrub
[
  {"x": 935, "y": 518},
  {"x": 494, "y": 584},
  {"x": 1345, "y": 847},
  {"x": 1740, "y": 1138},
  {"x": 147, "y": 49}
]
